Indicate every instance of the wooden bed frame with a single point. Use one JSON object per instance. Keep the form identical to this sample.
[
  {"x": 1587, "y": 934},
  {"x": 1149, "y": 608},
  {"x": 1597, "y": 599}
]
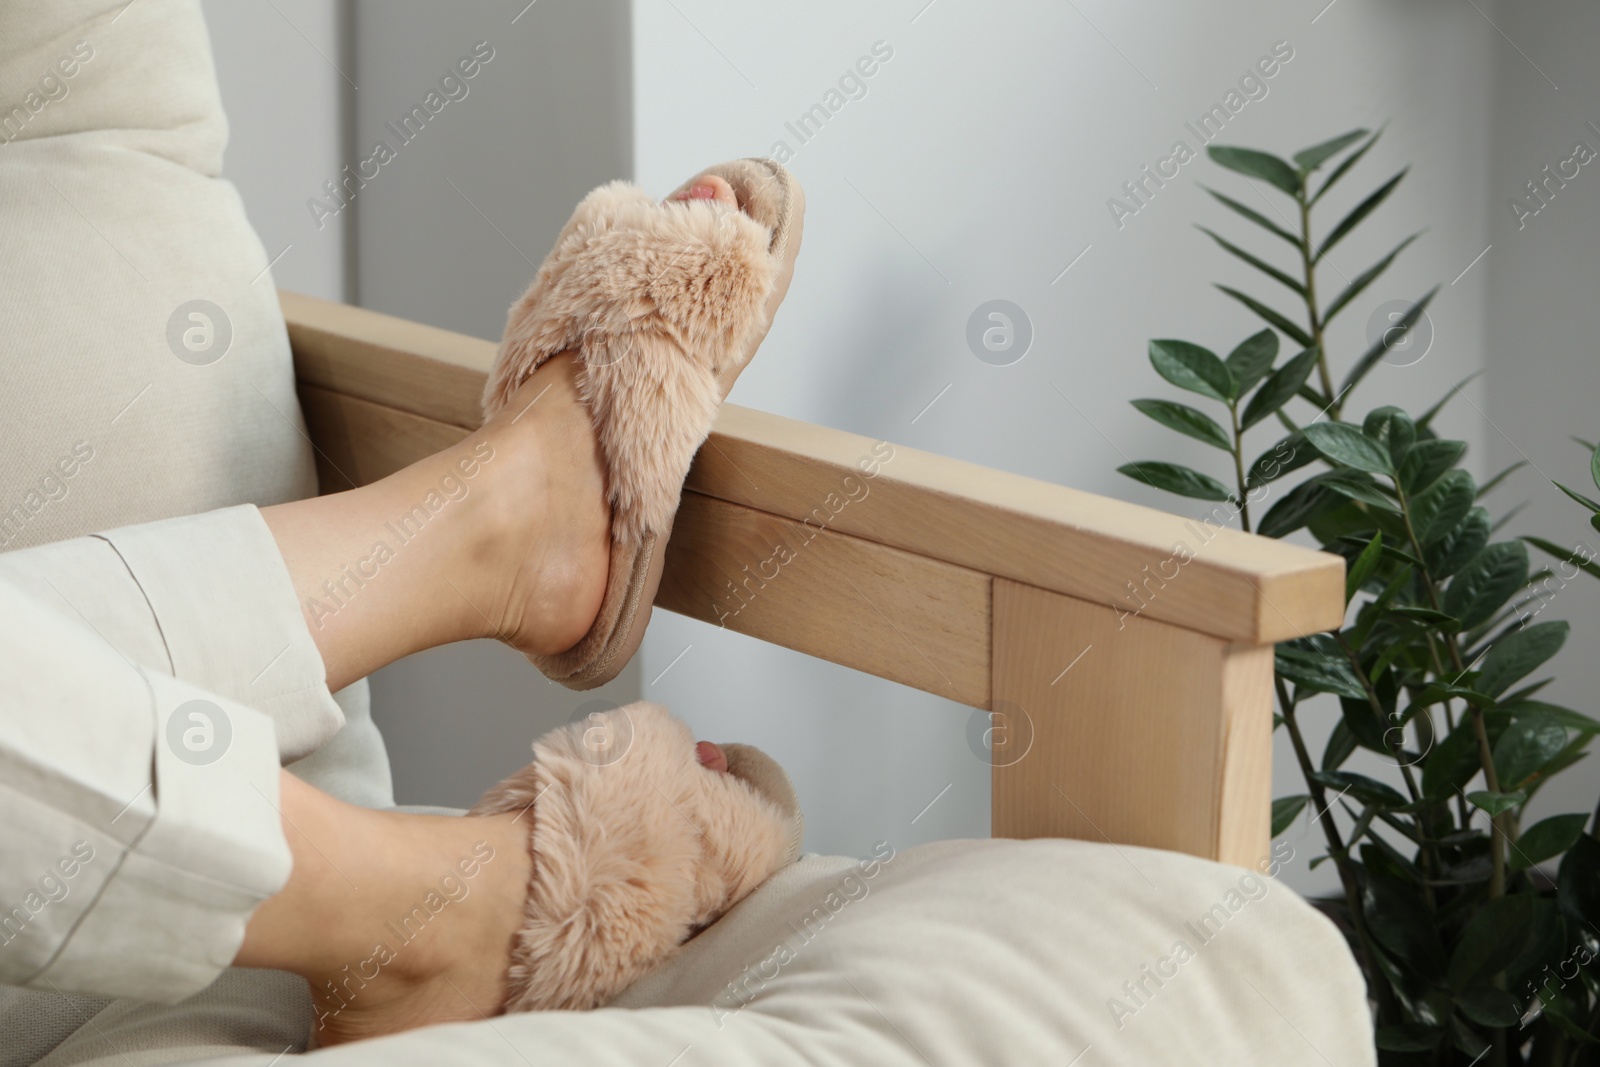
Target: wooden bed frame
[{"x": 1126, "y": 653}]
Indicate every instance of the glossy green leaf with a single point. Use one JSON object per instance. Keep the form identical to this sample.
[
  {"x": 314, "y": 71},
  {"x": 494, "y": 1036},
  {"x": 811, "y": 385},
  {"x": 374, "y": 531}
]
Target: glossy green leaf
[
  {"x": 1527, "y": 745},
  {"x": 1362, "y": 280},
  {"x": 1426, "y": 461},
  {"x": 1365, "y": 789},
  {"x": 1359, "y": 571},
  {"x": 1428, "y": 617},
  {"x": 1187, "y": 421},
  {"x": 1392, "y": 428},
  {"x": 1567, "y": 556},
  {"x": 1488, "y": 1006},
  {"x": 1357, "y": 485},
  {"x": 1289, "y": 454},
  {"x": 1519, "y": 654},
  {"x": 1188, "y": 366},
  {"x": 1257, "y": 262},
  {"x": 1255, "y": 164},
  {"x": 1548, "y": 941},
  {"x": 1310, "y": 395},
  {"x": 1340, "y": 747},
  {"x": 1254, "y": 216},
  {"x": 1309, "y": 159},
  {"x": 1440, "y": 508},
  {"x": 1364, "y": 725},
  {"x": 1314, "y": 669},
  {"x": 1454, "y": 760},
  {"x": 1303, "y": 504},
  {"x": 1346, "y": 164},
  {"x": 1342, "y": 229},
  {"x": 1545, "y": 840},
  {"x": 1525, "y": 693},
  {"x": 1176, "y": 479},
  {"x": 1452, "y": 551},
  {"x": 1493, "y": 938},
  {"x": 1342, "y": 443},
  {"x": 1466, "y": 1040},
  {"x": 1390, "y": 338},
  {"x": 1594, "y": 466},
  {"x": 1487, "y": 581},
  {"x": 1271, "y": 317},
  {"x": 1495, "y": 803},
  {"x": 1578, "y": 883},
  {"x": 1250, "y": 361},
  {"x": 1400, "y": 922},
  {"x": 1285, "y": 810},
  {"x": 1592, "y": 505},
  {"x": 1279, "y": 388}
]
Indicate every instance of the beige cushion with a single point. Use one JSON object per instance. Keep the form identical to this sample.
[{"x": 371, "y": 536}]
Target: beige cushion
[
  {"x": 120, "y": 407},
  {"x": 960, "y": 953}
]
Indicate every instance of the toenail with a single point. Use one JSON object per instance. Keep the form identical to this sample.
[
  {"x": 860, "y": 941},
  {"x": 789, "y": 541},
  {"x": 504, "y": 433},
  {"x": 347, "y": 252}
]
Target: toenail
[
  {"x": 711, "y": 756},
  {"x": 698, "y": 192}
]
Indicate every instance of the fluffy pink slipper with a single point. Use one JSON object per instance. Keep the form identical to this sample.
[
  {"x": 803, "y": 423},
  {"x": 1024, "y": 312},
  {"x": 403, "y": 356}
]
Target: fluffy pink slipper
[
  {"x": 635, "y": 846},
  {"x": 665, "y": 305}
]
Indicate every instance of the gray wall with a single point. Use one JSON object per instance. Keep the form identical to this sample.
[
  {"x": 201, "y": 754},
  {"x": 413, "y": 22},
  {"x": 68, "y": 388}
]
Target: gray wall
[
  {"x": 278, "y": 67},
  {"x": 977, "y": 165},
  {"x": 1543, "y": 380}
]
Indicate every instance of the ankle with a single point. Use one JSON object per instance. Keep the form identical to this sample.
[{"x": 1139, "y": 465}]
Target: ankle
[
  {"x": 545, "y": 513},
  {"x": 430, "y": 933}
]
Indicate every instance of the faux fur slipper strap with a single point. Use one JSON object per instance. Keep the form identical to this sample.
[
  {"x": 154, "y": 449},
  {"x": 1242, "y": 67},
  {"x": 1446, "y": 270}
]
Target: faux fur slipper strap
[
  {"x": 656, "y": 299},
  {"x": 635, "y": 846}
]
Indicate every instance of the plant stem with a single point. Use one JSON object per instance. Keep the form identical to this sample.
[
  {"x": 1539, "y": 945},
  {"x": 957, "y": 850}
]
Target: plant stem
[
  {"x": 1430, "y": 850},
  {"x": 1498, "y": 834},
  {"x": 1313, "y": 316},
  {"x": 1376, "y": 981},
  {"x": 1464, "y": 809},
  {"x": 1238, "y": 467}
]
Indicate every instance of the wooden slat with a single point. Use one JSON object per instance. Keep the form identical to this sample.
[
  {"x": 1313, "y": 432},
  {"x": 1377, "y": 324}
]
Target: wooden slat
[
  {"x": 1204, "y": 577},
  {"x": 357, "y": 441},
  {"x": 899, "y": 616},
  {"x": 1222, "y": 582},
  {"x": 400, "y": 364},
  {"x": 1133, "y": 731}
]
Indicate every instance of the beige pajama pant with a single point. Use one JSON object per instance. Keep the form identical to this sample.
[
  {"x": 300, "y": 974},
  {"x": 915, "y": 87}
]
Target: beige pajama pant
[{"x": 152, "y": 681}]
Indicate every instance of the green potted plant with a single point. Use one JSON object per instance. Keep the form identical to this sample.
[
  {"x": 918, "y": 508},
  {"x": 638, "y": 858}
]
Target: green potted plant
[{"x": 1478, "y": 935}]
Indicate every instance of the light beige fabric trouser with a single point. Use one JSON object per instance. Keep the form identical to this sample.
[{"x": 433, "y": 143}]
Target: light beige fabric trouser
[{"x": 152, "y": 681}]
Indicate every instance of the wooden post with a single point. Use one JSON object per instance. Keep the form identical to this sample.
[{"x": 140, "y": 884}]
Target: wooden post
[{"x": 1113, "y": 727}]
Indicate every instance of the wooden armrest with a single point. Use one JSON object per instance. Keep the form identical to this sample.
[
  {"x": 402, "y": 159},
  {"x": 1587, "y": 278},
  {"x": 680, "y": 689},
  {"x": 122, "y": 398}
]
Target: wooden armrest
[{"x": 1126, "y": 653}]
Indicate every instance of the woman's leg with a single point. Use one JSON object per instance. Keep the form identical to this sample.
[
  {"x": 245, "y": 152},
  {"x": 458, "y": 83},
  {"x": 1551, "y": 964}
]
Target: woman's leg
[
  {"x": 504, "y": 535},
  {"x": 395, "y": 920}
]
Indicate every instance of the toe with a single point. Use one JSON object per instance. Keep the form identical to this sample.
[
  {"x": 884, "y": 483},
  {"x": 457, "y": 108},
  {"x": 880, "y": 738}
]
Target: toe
[
  {"x": 707, "y": 187},
  {"x": 711, "y": 757}
]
